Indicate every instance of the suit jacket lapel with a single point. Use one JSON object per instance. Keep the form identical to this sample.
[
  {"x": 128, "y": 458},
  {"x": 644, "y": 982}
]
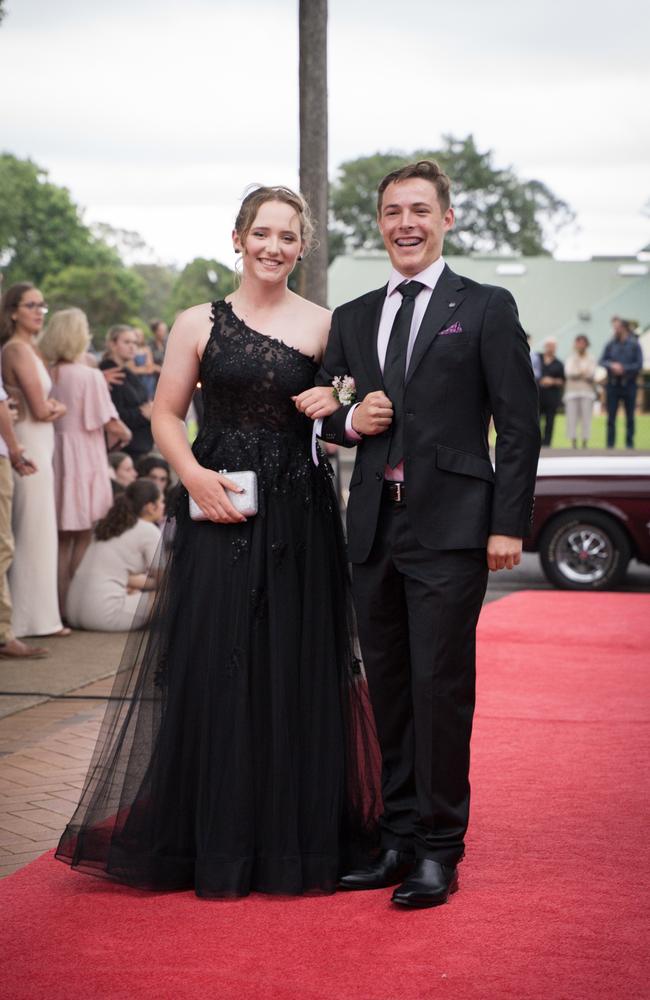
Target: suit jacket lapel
[
  {"x": 447, "y": 296},
  {"x": 368, "y": 334}
]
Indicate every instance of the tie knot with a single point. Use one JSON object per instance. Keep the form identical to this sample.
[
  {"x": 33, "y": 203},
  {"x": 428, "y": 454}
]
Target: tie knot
[{"x": 409, "y": 289}]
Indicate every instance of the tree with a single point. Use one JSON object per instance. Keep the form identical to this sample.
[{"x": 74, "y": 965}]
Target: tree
[
  {"x": 201, "y": 280},
  {"x": 312, "y": 74},
  {"x": 159, "y": 282},
  {"x": 111, "y": 294},
  {"x": 41, "y": 230},
  {"x": 496, "y": 212}
]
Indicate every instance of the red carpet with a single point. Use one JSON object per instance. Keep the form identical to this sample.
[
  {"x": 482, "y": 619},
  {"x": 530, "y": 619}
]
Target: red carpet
[{"x": 552, "y": 890}]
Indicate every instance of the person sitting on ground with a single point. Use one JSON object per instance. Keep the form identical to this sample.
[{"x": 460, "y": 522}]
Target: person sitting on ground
[
  {"x": 131, "y": 397},
  {"x": 107, "y": 588},
  {"x": 82, "y": 485}
]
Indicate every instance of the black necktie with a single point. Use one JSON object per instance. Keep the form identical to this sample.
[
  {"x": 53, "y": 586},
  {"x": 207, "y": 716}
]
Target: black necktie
[{"x": 395, "y": 366}]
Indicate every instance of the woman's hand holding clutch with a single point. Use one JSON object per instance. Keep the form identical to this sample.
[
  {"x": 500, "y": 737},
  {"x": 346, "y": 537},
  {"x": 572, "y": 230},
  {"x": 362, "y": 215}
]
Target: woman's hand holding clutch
[{"x": 210, "y": 491}]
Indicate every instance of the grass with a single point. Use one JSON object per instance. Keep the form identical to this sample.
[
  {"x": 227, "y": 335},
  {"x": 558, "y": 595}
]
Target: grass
[{"x": 599, "y": 432}]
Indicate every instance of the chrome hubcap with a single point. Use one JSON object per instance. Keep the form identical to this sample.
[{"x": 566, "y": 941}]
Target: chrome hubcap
[{"x": 584, "y": 554}]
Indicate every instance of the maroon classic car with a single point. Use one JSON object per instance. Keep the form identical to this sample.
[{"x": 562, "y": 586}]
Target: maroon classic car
[{"x": 592, "y": 515}]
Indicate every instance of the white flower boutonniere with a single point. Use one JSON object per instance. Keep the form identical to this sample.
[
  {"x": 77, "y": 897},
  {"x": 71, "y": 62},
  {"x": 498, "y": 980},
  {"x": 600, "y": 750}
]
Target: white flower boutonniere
[{"x": 344, "y": 389}]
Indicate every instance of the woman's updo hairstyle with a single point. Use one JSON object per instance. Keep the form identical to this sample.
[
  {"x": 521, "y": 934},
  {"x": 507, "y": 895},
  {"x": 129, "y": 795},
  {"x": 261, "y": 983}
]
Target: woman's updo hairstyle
[
  {"x": 126, "y": 509},
  {"x": 258, "y": 195}
]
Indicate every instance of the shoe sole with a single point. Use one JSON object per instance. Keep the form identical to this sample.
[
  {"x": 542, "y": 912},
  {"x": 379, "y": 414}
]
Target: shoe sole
[{"x": 421, "y": 904}]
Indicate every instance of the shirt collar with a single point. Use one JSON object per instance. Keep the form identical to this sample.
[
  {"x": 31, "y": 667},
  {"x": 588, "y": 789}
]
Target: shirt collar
[{"x": 428, "y": 277}]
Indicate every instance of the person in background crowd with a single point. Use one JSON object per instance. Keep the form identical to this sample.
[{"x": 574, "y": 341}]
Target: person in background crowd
[
  {"x": 535, "y": 359},
  {"x": 579, "y": 393},
  {"x": 143, "y": 365},
  {"x": 81, "y": 478},
  {"x": 11, "y": 457},
  {"x": 121, "y": 471},
  {"x": 130, "y": 398},
  {"x": 551, "y": 383},
  {"x": 623, "y": 359},
  {"x": 160, "y": 333},
  {"x": 157, "y": 469},
  {"x": 33, "y": 573},
  {"x": 106, "y": 589}
]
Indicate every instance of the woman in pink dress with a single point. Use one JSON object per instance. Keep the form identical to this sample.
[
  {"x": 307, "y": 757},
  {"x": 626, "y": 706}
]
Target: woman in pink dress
[{"x": 81, "y": 476}]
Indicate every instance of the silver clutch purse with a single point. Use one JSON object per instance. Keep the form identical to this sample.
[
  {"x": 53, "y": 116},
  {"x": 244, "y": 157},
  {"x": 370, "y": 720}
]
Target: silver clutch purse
[{"x": 245, "y": 503}]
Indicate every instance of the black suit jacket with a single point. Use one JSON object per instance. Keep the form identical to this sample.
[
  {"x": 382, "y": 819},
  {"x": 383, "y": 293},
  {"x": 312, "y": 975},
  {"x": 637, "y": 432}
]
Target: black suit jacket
[{"x": 455, "y": 382}]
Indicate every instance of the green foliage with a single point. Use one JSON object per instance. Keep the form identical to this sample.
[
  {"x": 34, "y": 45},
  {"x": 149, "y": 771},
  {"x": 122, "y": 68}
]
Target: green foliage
[
  {"x": 201, "y": 280},
  {"x": 107, "y": 295},
  {"x": 41, "y": 230},
  {"x": 159, "y": 282},
  {"x": 495, "y": 210}
]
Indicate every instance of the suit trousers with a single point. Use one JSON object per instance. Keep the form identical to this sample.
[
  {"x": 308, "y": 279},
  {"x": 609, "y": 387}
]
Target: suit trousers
[{"x": 417, "y": 611}]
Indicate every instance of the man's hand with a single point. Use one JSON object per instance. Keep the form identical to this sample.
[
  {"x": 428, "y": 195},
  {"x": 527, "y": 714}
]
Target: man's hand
[
  {"x": 317, "y": 402},
  {"x": 503, "y": 552},
  {"x": 374, "y": 415},
  {"x": 146, "y": 408},
  {"x": 616, "y": 368}
]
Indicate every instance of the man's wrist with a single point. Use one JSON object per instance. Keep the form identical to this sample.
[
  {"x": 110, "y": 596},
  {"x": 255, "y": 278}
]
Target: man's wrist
[{"x": 351, "y": 432}]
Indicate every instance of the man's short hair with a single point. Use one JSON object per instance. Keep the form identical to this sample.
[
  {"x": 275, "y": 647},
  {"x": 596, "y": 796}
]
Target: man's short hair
[{"x": 429, "y": 170}]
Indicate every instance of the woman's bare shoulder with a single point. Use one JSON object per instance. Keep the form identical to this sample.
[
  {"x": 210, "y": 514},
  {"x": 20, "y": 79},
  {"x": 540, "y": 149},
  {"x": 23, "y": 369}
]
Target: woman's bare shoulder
[
  {"x": 194, "y": 319},
  {"x": 316, "y": 316}
]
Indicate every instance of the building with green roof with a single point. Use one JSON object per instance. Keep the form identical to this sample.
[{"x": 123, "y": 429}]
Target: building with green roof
[{"x": 558, "y": 298}]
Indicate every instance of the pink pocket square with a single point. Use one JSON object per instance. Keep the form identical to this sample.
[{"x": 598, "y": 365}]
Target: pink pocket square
[{"x": 454, "y": 328}]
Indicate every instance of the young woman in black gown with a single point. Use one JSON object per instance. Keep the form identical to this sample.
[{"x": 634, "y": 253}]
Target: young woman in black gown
[{"x": 240, "y": 753}]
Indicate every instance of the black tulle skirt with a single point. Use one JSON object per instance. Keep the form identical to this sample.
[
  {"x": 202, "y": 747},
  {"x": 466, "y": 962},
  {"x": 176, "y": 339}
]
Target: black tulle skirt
[{"x": 239, "y": 752}]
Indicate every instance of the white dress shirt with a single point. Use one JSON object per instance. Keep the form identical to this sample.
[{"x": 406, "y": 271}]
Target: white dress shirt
[{"x": 429, "y": 278}]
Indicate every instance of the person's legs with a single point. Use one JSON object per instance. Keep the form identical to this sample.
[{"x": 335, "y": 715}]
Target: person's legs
[
  {"x": 444, "y": 592},
  {"x": 612, "y": 407},
  {"x": 586, "y": 414},
  {"x": 629, "y": 400},
  {"x": 571, "y": 409},
  {"x": 382, "y": 619}
]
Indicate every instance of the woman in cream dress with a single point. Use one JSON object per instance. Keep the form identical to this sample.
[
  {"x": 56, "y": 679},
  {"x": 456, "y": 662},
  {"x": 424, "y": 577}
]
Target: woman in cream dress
[{"x": 33, "y": 573}]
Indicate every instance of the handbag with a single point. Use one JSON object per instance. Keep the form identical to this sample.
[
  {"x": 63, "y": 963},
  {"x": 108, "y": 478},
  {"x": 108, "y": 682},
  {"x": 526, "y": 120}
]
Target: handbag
[{"x": 246, "y": 502}]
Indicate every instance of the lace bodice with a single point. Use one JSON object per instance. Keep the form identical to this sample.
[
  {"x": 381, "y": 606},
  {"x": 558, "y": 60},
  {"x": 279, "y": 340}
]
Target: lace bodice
[{"x": 250, "y": 420}]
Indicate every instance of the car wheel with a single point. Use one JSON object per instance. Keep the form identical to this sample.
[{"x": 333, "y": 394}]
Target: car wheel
[{"x": 584, "y": 550}]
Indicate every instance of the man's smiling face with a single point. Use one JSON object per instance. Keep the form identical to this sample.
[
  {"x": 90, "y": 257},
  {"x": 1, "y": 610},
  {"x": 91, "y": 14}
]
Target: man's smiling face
[{"x": 412, "y": 224}]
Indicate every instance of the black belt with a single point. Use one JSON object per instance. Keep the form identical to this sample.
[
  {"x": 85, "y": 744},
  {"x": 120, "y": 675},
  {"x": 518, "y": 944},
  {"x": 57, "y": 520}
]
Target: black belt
[{"x": 394, "y": 492}]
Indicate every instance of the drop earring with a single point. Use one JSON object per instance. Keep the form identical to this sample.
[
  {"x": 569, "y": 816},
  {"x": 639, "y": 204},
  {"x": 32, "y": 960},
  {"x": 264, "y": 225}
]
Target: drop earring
[{"x": 299, "y": 256}]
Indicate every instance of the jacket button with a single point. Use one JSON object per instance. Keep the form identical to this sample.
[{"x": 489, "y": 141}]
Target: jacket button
[{"x": 378, "y": 476}]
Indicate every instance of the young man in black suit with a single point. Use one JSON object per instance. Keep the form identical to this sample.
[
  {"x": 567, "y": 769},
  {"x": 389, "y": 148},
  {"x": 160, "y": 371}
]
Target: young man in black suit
[{"x": 434, "y": 356}]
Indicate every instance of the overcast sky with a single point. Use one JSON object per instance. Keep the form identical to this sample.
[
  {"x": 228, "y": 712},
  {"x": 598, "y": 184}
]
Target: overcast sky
[{"x": 157, "y": 114}]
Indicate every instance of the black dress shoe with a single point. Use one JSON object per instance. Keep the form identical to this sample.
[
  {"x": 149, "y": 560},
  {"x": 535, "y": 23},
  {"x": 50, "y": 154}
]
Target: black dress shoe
[
  {"x": 429, "y": 884},
  {"x": 389, "y": 868}
]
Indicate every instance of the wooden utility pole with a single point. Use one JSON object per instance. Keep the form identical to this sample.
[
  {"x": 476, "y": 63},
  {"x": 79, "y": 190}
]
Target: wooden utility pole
[{"x": 312, "y": 21}]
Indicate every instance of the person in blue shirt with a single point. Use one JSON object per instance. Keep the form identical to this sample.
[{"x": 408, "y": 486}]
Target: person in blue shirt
[{"x": 623, "y": 359}]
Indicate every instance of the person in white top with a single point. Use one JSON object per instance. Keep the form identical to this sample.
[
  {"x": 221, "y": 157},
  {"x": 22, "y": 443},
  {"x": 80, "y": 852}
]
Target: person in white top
[
  {"x": 105, "y": 594},
  {"x": 579, "y": 395}
]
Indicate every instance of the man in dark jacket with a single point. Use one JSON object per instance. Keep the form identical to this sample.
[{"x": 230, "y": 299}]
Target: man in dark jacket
[
  {"x": 623, "y": 359},
  {"x": 434, "y": 356}
]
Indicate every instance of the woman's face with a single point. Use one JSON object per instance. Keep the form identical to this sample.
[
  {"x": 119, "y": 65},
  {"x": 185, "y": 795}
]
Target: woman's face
[
  {"x": 273, "y": 243},
  {"x": 124, "y": 347},
  {"x": 30, "y": 313},
  {"x": 159, "y": 476},
  {"x": 580, "y": 345},
  {"x": 125, "y": 472}
]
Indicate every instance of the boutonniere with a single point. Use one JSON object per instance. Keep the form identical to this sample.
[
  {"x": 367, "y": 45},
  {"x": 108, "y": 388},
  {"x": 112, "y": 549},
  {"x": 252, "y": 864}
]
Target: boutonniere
[{"x": 344, "y": 389}]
